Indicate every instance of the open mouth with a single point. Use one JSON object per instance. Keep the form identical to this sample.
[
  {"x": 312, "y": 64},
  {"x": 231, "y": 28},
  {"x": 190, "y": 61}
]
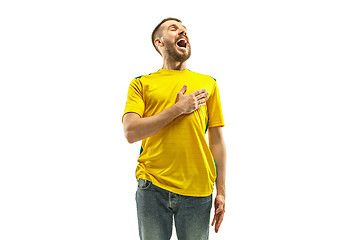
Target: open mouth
[{"x": 182, "y": 43}]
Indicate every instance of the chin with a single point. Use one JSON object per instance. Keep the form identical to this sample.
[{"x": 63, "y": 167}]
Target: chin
[{"x": 179, "y": 56}]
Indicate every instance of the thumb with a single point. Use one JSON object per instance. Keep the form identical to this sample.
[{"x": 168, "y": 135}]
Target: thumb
[
  {"x": 183, "y": 89},
  {"x": 219, "y": 209}
]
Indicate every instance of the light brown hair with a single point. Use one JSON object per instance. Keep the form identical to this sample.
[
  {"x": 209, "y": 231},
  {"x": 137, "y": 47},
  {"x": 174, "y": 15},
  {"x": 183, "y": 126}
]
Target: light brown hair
[{"x": 157, "y": 33}]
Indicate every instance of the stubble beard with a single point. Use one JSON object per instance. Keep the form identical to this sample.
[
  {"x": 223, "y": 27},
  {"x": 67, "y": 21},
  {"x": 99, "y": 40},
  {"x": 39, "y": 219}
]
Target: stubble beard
[{"x": 173, "y": 53}]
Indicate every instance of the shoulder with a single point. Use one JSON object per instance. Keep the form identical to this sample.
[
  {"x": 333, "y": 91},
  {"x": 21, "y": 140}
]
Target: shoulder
[
  {"x": 140, "y": 79},
  {"x": 208, "y": 81},
  {"x": 204, "y": 76},
  {"x": 146, "y": 77}
]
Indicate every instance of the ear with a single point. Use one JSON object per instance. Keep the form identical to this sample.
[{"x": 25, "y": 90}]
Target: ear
[{"x": 158, "y": 42}]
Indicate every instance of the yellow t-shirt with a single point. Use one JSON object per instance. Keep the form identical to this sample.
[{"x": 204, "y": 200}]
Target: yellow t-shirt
[{"x": 177, "y": 158}]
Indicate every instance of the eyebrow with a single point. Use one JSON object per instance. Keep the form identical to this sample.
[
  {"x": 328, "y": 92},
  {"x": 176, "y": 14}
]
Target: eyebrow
[{"x": 174, "y": 25}]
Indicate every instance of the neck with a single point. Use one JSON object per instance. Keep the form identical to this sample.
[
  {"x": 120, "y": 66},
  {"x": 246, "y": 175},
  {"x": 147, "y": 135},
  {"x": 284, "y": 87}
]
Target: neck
[{"x": 174, "y": 65}]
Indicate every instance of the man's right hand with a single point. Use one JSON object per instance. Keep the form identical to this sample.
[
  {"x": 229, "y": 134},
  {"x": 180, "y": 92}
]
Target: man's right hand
[
  {"x": 137, "y": 128},
  {"x": 191, "y": 102}
]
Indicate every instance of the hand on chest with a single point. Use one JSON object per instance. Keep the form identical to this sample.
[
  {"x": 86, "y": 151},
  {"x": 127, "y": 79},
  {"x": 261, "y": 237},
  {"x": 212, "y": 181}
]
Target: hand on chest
[{"x": 162, "y": 93}]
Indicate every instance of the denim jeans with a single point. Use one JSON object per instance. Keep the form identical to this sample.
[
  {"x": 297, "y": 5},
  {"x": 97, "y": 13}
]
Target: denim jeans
[{"x": 156, "y": 209}]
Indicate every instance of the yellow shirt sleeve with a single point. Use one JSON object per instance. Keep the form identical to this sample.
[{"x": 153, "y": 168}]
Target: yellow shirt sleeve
[
  {"x": 135, "y": 101},
  {"x": 216, "y": 118}
]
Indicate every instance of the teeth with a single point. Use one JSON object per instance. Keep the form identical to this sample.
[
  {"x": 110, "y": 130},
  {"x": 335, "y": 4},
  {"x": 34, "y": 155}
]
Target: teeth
[{"x": 181, "y": 39}]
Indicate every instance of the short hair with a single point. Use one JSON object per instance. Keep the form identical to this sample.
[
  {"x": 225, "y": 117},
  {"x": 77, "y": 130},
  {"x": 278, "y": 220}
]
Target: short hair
[{"x": 156, "y": 33}]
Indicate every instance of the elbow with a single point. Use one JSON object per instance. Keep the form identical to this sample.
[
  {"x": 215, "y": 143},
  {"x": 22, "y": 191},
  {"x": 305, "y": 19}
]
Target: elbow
[
  {"x": 130, "y": 131},
  {"x": 129, "y": 137}
]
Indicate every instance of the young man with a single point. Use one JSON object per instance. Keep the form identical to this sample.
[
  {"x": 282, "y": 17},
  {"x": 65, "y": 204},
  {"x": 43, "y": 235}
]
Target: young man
[{"x": 170, "y": 111}]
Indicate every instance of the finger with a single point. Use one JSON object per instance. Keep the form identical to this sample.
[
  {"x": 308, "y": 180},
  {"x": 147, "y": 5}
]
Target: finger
[
  {"x": 213, "y": 221},
  {"x": 200, "y": 105},
  {"x": 218, "y": 222},
  {"x": 202, "y": 100},
  {"x": 201, "y": 96},
  {"x": 199, "y": 92},
  {"x": 219, "y": 209},
  {"x": 183, "y": 89},
  {"x": 205, "y": 99},
  {"x": 215, "y": 216}
]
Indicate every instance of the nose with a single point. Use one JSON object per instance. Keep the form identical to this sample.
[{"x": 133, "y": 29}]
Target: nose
[{"x": 182, "y": 32}]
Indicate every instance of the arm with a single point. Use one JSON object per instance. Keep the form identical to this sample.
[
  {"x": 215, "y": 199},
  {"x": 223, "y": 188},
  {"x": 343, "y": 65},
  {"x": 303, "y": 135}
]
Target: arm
[
  {"x": 137, "y": 128},
  {"x": 218, "y": 150}
]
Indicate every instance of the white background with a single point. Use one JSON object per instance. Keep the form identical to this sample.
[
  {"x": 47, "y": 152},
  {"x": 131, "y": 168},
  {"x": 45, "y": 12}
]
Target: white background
[{"x": 288, "y": 73}]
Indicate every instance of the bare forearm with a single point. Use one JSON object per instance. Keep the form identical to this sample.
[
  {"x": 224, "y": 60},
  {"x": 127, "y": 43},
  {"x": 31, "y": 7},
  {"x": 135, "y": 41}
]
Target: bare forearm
[
  {"x": 136, "y": 128},
  {"x": 141, "y": 128},
  {"x": 219, "y": 153}
]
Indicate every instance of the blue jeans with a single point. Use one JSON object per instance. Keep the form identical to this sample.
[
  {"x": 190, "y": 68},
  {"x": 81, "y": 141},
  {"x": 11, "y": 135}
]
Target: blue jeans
[{"x": 156, "y": 209}]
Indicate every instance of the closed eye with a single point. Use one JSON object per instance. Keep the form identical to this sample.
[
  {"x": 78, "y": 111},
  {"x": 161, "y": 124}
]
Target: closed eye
[{"x": 173, "y": 27}]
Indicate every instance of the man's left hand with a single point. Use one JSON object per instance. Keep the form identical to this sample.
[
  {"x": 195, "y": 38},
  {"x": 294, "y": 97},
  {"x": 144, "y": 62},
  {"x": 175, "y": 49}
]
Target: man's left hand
[{"x": 219, "y": 211}]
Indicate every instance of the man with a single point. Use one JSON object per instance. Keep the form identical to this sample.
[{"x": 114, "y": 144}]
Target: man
[{"x": 170, "y": 111}]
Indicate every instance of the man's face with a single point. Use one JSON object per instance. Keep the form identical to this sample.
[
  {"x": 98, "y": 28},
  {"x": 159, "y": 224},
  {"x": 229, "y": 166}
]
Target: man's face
[{"x": 176, "y": 41}]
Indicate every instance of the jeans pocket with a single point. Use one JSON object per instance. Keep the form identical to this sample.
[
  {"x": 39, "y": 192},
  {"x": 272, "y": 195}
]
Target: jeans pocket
[{"x": 143, "y": 184}]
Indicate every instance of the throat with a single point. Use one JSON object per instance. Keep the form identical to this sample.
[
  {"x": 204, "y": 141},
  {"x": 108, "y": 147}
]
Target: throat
[{"x": 174, "y": 65}]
